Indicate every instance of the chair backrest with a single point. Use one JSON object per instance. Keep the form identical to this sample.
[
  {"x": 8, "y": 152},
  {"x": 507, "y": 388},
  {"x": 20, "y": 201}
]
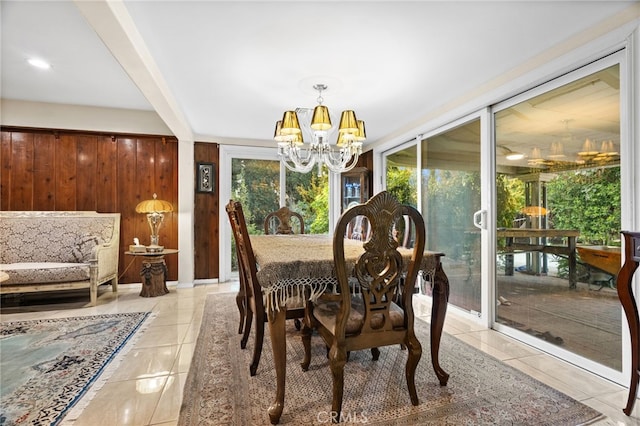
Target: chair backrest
[
  {"x": 279, "y": 222},
  {"x": 246, "y": 259},
  {"x": 380, "y": 269}
]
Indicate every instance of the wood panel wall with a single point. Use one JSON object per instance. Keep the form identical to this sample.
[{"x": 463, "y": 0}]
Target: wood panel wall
[
  {"x": 206, "y": 217},
  {"x": 65, "y": 170}
]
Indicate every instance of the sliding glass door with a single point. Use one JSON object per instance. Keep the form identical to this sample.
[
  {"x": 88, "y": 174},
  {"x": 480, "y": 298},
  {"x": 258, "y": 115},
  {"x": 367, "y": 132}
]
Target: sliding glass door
[
  {"x": 440, "y": 173},
  {"x": 451, "y": 193},
  {"x": 558, "y": 212},
  {"x": 541, "y": 265}
]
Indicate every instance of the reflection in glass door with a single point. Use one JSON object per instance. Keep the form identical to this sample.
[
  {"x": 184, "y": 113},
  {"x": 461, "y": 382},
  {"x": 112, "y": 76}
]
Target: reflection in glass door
[
  {"x": 450, "y": 195},
  {"x": 558, "y": 186}
]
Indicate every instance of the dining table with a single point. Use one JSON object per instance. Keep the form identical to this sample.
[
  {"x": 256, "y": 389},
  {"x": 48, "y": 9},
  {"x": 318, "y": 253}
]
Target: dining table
[{"x": 301, "y": 267}]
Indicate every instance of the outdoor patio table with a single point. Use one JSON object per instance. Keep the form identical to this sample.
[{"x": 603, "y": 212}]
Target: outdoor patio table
[
  {"x": 539, "y": 243},
  {"x": 291, "y": 265}
]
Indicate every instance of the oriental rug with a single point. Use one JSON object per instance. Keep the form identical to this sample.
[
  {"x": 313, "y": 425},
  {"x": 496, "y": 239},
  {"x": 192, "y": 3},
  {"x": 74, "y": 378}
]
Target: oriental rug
[
  {"x": 481, "y": 389},
  {"x": 47, "y": 366}
]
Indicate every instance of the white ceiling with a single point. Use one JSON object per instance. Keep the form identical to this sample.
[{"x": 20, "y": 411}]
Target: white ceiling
[{"x": 229, "y": 69}]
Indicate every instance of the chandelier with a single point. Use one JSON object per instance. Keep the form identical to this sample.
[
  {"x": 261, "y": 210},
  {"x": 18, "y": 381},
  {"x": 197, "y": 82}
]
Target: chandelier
[{"x": 302, "y": 148}]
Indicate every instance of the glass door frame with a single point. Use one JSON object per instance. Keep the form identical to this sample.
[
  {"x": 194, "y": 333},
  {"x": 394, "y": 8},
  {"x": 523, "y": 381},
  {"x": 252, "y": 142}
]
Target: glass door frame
[
  {"x": 228, "y": 153},
  {"x": 487, "y": 195},
  {"x": 626, "y": 172}
]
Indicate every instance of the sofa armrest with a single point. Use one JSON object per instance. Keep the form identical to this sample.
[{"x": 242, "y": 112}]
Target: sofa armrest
[{"x": 106, "y": 255}]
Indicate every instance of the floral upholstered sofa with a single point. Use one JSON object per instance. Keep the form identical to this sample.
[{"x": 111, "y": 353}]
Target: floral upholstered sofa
[{"x": 58, "y": 250}]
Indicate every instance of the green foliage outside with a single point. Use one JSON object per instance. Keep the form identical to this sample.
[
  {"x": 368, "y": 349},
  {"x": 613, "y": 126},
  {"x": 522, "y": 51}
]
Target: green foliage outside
[
  {"x": 256, "y": 184},
  {"x": 587, "y": 200},
  {"x": 401, "y": 183},
  {"x": 509, "y": 200},
  {"x": 451, "y": 198},
  {"x": 308, "y": 194}
]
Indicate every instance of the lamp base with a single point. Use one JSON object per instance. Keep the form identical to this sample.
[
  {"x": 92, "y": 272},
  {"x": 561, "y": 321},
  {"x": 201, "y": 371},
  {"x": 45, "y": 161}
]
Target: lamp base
[{"x": 155, "y": 249}]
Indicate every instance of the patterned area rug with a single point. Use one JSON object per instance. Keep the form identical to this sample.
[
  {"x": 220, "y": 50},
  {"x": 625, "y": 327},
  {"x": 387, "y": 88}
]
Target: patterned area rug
[
  {"x": 47, "y": 366},
  {"x": 481, "y": 389}
]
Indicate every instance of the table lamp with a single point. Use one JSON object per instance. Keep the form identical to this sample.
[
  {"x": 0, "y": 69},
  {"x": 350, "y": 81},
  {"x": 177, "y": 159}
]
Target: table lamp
[{"x": 154, "y": 210}]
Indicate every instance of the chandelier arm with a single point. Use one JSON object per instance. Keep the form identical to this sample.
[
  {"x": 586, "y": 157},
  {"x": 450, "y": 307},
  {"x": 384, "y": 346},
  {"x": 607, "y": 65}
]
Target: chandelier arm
[
  {"x": 334, "y": 163},
  {"x": 301, "y": 164},
  {"x": 294, "y": 168},
  {"x": 353, "y": 162},
  {"x": 347, "y": 161},
  {"x": 302, "y": 160}
]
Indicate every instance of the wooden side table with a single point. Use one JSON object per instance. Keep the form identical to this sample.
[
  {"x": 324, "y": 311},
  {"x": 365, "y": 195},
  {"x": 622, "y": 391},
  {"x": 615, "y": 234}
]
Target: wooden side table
[
  {"x": 625, "y": 294},
  {"x": 153, "y": 272}
]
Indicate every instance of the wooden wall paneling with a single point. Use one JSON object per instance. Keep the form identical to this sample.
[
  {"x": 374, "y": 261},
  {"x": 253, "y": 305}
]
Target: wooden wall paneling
[
  {"x": 166, "y": 185},
  {"x": 106, "y": 171},
  {"x": 145, "y": 186},
  {"x": 206, "y": 217},
  {"x": 214, "y": 218},
  {"x": 44, "y": 194},
  {"x": 127, "y": 200},
  {"x": 144, "y": 189},
  {"x": 5, "y": 169},
  {"x": 87, "y": 149},
  {"x": 58, "y": 170},
  {"x": 200, "y": 209},
  {"x": 65, "y": 167},
  {"x": 22, "y": 184}
]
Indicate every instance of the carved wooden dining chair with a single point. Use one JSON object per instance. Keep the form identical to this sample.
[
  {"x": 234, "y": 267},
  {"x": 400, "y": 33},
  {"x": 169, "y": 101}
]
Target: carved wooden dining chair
[
  {"x": 250, "y": 294},
  {"x": 369, "y": 318},
  {"x": 279, "y": 222}
]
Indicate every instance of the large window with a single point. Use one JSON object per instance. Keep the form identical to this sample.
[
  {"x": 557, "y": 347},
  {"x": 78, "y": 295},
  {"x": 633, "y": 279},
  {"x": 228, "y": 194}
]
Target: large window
[{"x": 263, "y": 185}]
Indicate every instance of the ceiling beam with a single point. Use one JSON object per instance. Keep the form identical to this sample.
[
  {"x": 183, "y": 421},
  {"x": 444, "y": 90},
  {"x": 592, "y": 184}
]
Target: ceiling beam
[{"x": 113, "y": 24}]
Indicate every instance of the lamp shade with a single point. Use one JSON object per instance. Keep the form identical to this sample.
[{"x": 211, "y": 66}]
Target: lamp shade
[
  {"x": 362, "y": 134},
  {"x": 557, "y": 150},
  {"x": 348, "y": 122},
  {"x": 290, "y": 125},
  {"x": 588, "y": 148},
  {"x": 321, "y": 119},
  {"x": 277, "y": 134},
  {"x": 154, "y": 206}
]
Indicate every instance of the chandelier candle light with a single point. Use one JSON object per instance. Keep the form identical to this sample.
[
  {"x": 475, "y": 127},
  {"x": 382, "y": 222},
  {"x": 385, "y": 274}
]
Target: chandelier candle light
[
  {"x": 299, "y": 157},
  {"x": 154, "y": 210}
]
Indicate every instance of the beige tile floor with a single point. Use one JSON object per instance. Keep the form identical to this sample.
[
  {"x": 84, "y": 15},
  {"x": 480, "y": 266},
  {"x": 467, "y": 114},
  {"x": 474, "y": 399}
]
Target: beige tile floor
[{"x": 147, "y": 387}]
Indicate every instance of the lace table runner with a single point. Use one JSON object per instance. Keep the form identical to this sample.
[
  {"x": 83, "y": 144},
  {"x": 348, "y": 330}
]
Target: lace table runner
[{"x": 290, "y": 266}]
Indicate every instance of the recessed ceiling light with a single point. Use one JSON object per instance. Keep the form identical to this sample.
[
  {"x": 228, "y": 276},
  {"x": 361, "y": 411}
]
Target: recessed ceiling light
[{"x": 39, "y": 63}]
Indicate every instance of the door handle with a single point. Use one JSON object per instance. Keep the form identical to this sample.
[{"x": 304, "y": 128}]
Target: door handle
[{"x": 480, "y": 219}]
